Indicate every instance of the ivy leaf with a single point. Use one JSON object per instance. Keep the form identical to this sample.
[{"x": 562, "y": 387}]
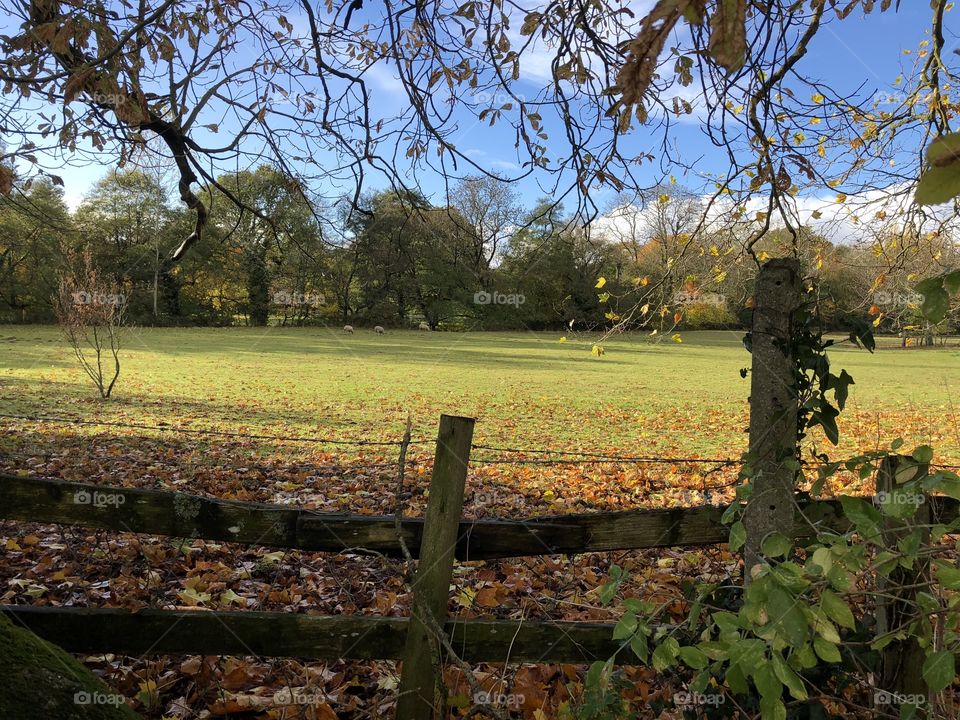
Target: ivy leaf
[
  {"x": 923, "y": 454},
  {"x": 936, "y": 299},
  {"x": 841, "y": 387},
  {"x": 821, "y": 558},
  {"x": 944, "y": 150},
  {"x": 786, "y": 616},
  {"x": 665, "y": 655},
  {"x": 788, "y": 677},
  {"x": 640, "y": 647},
  {"x": 862, "y": 334},
  {"x": 694, "y": 657},
  {"x": 771, "y": 708},
  {"x": 836, "y": 609},
  {"x": 775, "y": 545},
  {"x": 626, "y": 627},
  {"x": 736, "y": 680},
  {"x": 827, "y": 419},
  {"x": 938, "y": 185},
  {"x": 948, "y": 577},
  {"x": 767, "y": 682},
  {"x": 939, "y": 670},
  {"x": 864, "y": 516},
  {"x": 826, "y": 650},
  {"x": 951, "y": 281},
  {"x": 738, "y": 536}
]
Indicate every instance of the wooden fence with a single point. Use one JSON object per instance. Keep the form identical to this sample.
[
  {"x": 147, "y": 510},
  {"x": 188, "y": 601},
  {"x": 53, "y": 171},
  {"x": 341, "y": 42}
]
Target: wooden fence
[
  {"x": 360, "y": 637},
  {"x": 437, "y": 540}
]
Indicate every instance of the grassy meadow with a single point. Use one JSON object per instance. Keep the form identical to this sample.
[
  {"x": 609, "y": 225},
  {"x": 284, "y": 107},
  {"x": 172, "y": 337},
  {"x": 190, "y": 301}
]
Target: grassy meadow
[{"x": 525, "y": 389}]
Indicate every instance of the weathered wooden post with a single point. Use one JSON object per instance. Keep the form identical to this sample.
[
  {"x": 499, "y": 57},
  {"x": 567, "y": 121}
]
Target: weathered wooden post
[
  {"x": 901, "y": 662},
  {"x": 773, "y": 407},
  {"x": 419, "y": 680}
]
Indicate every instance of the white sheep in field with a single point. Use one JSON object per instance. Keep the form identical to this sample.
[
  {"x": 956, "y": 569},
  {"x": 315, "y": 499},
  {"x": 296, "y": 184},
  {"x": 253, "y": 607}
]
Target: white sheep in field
[
  {"x": 424, "y": 326},
  {"x": 379, "y": 330},
  {"x": 348, "y": 329}
]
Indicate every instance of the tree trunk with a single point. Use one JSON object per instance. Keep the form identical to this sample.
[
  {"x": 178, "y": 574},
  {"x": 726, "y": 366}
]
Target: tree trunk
[{"x": 258, "y": 287}]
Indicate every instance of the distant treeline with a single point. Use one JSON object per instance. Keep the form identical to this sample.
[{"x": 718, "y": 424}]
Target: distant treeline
[{"x": 483, "y": 261}]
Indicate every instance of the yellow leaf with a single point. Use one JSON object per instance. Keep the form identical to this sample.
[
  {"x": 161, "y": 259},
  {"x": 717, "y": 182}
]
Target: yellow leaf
[
  {"x": 563, "y": 339},
  {"x": 676, "y": 338},
  {"x": 231, "y": 598},
  {"x": 817, "y": 98},
  {"x": 466, "y": 596},
  {"x": 663, "y": 199},
  {"x": 601, "y": 282}
]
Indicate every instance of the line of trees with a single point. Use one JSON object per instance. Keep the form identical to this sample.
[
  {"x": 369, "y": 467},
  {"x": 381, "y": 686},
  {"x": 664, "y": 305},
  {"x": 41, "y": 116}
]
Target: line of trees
[{"x": 481, "y": 261}]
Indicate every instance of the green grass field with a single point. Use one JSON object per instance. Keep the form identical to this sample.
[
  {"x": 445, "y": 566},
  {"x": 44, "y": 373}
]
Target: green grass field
[{"x": 525, "y": 389}]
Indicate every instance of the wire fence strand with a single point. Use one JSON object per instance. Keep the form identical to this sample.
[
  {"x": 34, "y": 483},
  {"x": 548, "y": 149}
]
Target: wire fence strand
[
  {"x": 559, "y": 457},
  {"x": 206, "y": 431}
]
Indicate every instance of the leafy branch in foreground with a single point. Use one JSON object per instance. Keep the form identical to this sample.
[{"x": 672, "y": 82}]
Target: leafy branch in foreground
[{"x": 802, "y": 635}]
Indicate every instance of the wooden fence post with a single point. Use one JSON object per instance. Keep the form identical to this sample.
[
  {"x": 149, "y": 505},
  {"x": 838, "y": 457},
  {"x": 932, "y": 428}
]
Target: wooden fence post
[
  {"x": 901, "y": 662},
  {"x": 419, "y": 681},
  {"x": 773, "y": 406}
]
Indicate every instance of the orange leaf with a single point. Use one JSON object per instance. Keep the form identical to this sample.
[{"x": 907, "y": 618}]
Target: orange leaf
[{"x": 487, "y": 598}]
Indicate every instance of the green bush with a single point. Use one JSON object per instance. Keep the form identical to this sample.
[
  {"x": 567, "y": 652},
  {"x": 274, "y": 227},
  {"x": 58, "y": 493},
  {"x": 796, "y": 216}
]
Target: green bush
[{"x": 708, "y": 316}]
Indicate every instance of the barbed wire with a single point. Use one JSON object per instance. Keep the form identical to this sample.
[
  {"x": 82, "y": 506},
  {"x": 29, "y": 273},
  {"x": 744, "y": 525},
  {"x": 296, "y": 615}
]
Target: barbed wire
[
  {"x": 563, "y": 457},
  {"x": 613, "y": 460},
  {"x": 192, "y": 465},
  {"x": 205, "y": 431},
  {"x": 605, "y": 457}
]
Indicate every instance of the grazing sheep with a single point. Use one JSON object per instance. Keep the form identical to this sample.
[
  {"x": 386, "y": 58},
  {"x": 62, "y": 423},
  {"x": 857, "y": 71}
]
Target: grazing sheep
[
  {"x": 379, "y": 330},
  {"x": 424, "y": 326},
  {"x": 348, "y": 329}
]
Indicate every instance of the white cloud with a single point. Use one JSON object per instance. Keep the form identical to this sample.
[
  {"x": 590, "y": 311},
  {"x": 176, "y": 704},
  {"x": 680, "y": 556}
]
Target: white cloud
[{"x": 860, "y": 217}]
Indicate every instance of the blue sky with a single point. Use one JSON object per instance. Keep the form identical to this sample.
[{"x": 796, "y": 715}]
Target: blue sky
[{"x": 857, "y": 52}]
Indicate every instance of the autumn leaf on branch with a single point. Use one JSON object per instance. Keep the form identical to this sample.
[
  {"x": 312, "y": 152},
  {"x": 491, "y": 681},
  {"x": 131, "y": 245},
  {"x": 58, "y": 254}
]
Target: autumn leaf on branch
[
  {"x": 940, "y": 180},
  {"x": 728, "y": 34}
]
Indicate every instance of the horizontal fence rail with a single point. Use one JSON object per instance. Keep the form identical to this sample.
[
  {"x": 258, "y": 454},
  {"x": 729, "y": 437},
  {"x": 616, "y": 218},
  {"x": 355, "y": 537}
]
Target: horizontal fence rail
[
  {"x": 163, "y": 512},
  {"x": 319, "y": 637}
]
